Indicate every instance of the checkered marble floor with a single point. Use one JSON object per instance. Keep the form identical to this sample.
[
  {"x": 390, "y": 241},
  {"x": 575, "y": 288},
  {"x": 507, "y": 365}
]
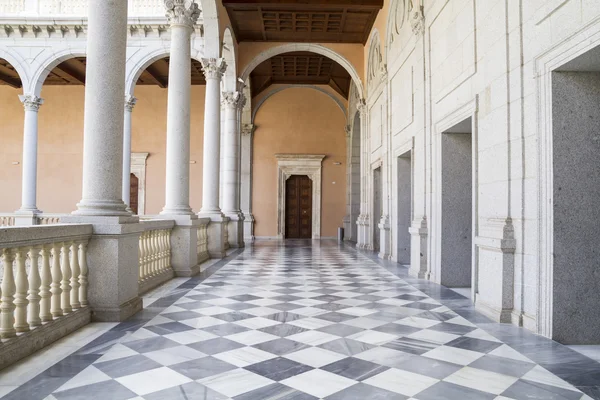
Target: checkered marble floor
[{"x": 303, "y": 322}]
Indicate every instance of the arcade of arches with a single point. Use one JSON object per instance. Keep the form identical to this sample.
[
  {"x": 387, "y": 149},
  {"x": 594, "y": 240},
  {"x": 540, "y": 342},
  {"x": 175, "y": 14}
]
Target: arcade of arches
[{"x": 174, "y": 176}]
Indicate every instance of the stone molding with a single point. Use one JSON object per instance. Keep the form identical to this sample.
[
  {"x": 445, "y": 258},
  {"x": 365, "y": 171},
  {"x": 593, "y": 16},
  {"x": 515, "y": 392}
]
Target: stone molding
[
  {"x": 130, "y": 102},
  {"x": 31, "y": 102},
  {"x": 182, "y": 12},
  {"x": 299, "y": 164},
  {"x": 231, "y": 99},
  {"x": 213, "y": 68},
  {"x": 248, "y": 129}
]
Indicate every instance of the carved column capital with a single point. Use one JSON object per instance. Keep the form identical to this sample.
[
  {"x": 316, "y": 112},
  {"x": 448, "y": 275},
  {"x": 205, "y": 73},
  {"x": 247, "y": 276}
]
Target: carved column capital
[
  {"x": 417, "y": 21},
  {"x": 242, "y": 102},
  {"x": 362, "y": 107},
  {"x": 348, "y": 130},
  {"x": 213, "y": 68},
  {"x": 182, "y": 12},
  {"x": 31, "y": 102},
  {"x": 231, "y": 99},
  {"x": 248, "y": 129},
  {"x": 130, "y": 102}
]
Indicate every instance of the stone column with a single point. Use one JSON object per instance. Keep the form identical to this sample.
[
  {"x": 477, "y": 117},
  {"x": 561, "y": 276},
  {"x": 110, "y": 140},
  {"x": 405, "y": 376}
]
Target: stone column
[
  {"x": 364, "y": 231},
  {"x": 232, "y": 101},
  {"x": 182, "y": 16},
  {"x": 113, "y": 248},
  {"x": 27, "y": 214},
  {"x": 246, "y": 180},
  {"x": 217, "y": 241},
  {"x": 126, "y": 193}
]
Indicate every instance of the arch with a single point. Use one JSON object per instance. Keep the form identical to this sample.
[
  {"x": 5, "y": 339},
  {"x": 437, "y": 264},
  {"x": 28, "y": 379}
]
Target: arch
[
  {"x": 212, "y": 33},
  {"x": 375, "y": 65},
  {"x": 274, "y": 91},
  {"x": 228, "y": 52},
  {"x": 314, "y": 48},
  {"x": 47, "y": 65},
  {"x": 17, "y": 65}
]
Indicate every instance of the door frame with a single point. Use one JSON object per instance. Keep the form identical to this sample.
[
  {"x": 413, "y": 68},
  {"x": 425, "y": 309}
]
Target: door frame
[{"x": 299, "y": 164}]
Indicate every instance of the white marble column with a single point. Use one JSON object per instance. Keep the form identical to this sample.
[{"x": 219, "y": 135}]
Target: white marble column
[
  {"x": 182, "y": 16},
  {"x": 103, "y": 114},
  {"x": 218, "y": 242},
  {"x": 232, "y": 101},
  {"x": 28, "y": 211},
  {"x": 246, "y": 180},
  {"x": 126, "y": 193},
  {"x": 363, "y": 222}
]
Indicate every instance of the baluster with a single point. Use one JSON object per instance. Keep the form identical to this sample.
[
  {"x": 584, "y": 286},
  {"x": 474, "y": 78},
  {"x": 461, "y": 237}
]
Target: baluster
[
  {"x": 75, "y": 275},
  {"x": 45, "y": 293},
  {"x": 168, "y": 248},
  {"x": 33, "y": 312},
  {"x": 20, "y": 301},
  {"x": 83, "y": 274},
  {"x": 163, "y": 249},
  {"x": 65, "y": 284},
  {"x": 154, "y": 244},
  {"x": 7, "y": 318},
  {"x": 145, "y": 254},
  {"x": 55, "y": 289}
]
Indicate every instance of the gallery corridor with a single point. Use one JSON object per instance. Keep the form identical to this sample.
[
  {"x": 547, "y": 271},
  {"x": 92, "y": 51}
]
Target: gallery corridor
[{"x": 314, "y": 320}]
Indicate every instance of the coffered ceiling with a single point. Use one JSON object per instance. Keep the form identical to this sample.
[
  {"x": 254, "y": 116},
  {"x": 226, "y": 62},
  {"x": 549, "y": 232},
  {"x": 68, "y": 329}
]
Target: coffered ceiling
[
  {"x": 318, "y": 21},
  {"x": 302, "y": 68}
]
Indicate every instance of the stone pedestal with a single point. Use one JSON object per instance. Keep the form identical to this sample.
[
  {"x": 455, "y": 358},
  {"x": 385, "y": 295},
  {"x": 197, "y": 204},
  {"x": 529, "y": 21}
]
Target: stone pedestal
[
  {"x": 364, "y": 236},
  {"x": 235, "y": 230},
  {"x": 184, "y": 246},
  {"x": 217, "y": 235},
  {"x": 418, "y": 249},
  {"x": 385, "y": 238}
]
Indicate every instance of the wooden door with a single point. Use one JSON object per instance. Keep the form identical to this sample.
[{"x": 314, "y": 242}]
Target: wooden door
[
  {"x": 298, "y": 207},
  {"x": 133, "y": 193}
]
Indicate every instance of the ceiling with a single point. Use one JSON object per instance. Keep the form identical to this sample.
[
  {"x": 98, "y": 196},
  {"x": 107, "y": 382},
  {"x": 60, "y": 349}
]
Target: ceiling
[
  {"x": 300, "y": 68},
  {"x": 317, "y": 21},
  {"x": 72, "y": 72}
]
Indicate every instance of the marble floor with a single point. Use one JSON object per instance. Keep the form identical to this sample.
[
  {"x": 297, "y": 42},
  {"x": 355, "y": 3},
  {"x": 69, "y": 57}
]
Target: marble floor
[{"x": 302, "y": 320}]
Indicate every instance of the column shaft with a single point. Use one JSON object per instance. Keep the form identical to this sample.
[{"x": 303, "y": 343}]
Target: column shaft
[
  {"x": 30, "y": 144},
  {"x": 126, "y": 192},
  {"x": 231, "y": 145},
  {"x": 103, "y": 115},
  {"x": 178, "y": 123}
]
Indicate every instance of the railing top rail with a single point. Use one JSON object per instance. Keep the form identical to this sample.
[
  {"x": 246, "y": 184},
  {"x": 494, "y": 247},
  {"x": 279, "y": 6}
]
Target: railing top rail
[
  {"x": 152, "y": 224},
  {"x": 18, "y": 236}
]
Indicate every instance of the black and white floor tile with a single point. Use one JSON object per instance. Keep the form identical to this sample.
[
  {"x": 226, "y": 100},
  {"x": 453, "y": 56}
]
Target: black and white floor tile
[{"x": 296, "y": 322}]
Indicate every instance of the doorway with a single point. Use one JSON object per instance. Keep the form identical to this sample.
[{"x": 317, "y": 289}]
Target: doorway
[
  {"x": 404, "y": 208},
  {"x": 457, "y": 206},
  {"x": 134, "y": 185},
  {"x": 298, "y": 207},
  {"x": 377, "y": 207}
]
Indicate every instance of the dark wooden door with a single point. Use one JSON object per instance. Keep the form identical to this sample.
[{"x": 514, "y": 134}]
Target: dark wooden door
[
  {"x": 298, "y": 207},
  {"x": 133, "y": 193}
]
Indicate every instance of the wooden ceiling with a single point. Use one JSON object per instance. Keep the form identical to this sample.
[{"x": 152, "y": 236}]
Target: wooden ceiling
[
  {"x": 72, "y": 72},
  {"x": 304, "y": 68},
  {"x": 317, "y": 21}
]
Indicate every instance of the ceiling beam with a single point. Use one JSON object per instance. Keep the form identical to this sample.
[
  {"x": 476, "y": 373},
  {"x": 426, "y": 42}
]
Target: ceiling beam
[
  {"x": 10, "y": 81},
  {"x": 323, "y": 3},
  {"x": 159, "y": 80},
  {"x": 71, "y": 72},
  {"x": 337, "y": 88}
]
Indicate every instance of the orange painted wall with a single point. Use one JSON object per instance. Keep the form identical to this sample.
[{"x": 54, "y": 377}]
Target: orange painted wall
[
  {"x": 301, "y": 121},
  {"x": 60, "y": 146}
]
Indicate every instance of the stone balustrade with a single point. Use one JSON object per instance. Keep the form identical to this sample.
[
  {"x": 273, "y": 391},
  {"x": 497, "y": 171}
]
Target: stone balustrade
[
  {"x": 44, "y": 286},
  {"x": 155, "y": 254},
  {"x": 139, "y": 8},
  {"x": 7, "y": 220}
]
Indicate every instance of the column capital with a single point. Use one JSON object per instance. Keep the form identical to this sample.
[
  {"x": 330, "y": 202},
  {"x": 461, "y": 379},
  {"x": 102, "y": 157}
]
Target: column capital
[
  {"x": 213, "y": 68},
  {"x": 348, "y": 130},
  {"x": 31, "y": 102},
  {"x": 248, "y": 129},
  {"x": 130, "y": 102},
  {"x": 182, "y": 12},
  {"x": 231, "y": 99},
  {"x": 362, "y": 107}
]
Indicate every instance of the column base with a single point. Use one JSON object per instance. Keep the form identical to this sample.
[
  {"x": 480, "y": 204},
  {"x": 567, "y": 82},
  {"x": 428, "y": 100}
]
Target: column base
[
  {"x": 101, "y": 208},
  {"x": 113, "y": 266},
  {"x": 217, "y": 234},
  {"x": 418, "y": 249},
  {"x": 27, "y": 217},
  {"x": 248, "y": 227},
  {"x": 177, "y": 211},
  {"x": 235, "y": 230}
]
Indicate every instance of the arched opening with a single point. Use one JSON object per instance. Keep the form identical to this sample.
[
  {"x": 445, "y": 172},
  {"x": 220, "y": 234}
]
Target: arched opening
[
  {"x": 11, "y": 135},
  {"x": 149, "y": 127}
]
